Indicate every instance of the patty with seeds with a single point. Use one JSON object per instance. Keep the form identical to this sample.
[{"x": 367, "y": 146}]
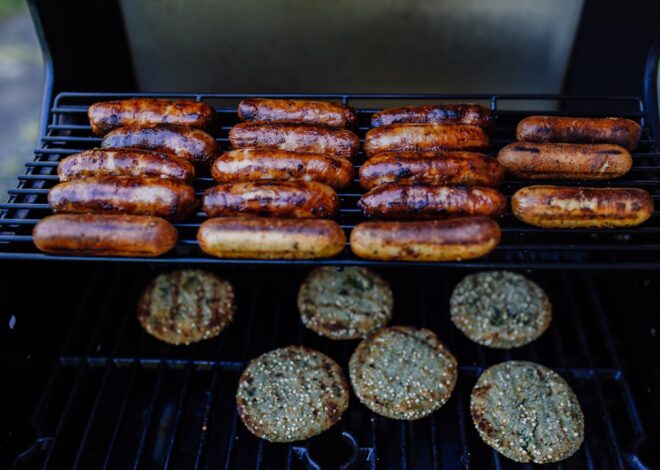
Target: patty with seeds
[
  {"x": 291, "y": 394},
  {"x": 346, "y": 304},
  {"x": 500, "y": 309},
  {"x": 403, "y": 372},
  {"x": 527, "y": 413},
  {"x": 186, "y": 306}
]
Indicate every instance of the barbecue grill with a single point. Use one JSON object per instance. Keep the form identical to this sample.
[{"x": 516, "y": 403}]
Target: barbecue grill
[{"x": 88, "y": 389}]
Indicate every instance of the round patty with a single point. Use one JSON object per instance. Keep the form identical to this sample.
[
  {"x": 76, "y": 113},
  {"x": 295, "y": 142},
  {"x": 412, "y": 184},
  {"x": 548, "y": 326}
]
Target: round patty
[
  {"x": 403, "y": 372},
  {"x": 345, "y": 304},
  {"x": 291, "y": 394},
  {"x": 500, "y": 309},
  {"x": 527, "y": 412},
  {"x": 186, "y": 306}
]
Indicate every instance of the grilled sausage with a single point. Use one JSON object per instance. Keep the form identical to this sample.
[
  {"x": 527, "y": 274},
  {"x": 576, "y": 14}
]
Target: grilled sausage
[
  {"x": 124, "y": 162},
  {"x": 282, "y": 165},
  {"x": 417, "y": 201},
  {"x": 436, "y": 240},
  {"x": 193, "y": 145},
  {"x": 565, "y": 161},
  {"x": 566, "y": 207},
  {"x": 424, "y": 138},
  {"x": 466, "y": 168},
  {"x": 472, "y": 114},
  {"x": 172, "y": 200},
  {"x": 110, "y": 115},
  {"x": 104, "y": 235},
  {"x": 541, "y": 129},
  {"x": 285, "y": 199},
  {"x": 259, "y": 238},
  {"x": 296, "y": 137},
  {"x": 296, "y": 111}
]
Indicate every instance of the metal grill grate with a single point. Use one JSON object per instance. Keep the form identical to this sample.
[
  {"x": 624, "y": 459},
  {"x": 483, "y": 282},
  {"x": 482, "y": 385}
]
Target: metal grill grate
[
  {"x": 522, "y": 246},
  {"x": 117, "y": 398}
]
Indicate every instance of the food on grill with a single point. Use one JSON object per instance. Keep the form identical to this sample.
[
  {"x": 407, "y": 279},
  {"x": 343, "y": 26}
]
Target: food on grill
[
  {"x": 419, "y": 201},
  {"x": 186, "y": 306},
  {"x": 437, "y": 240},
  {"x": 170, "y": 199},
  {"x": 578, "y": 207},
  {"x": 472, "y": 114},
  {"x": 104, "y": 235},
  {"x": 124, "y": 162},
  {"x": 286, "y": 199},
  {"x": 296, "y": 111},
  {"x": 500, "y": 309},
  {"x": 468, "y": 168},
  {"x": 346, "y": 304},
  {"x": 565, "y": 161},
  {"x": 424, "y": 138},
  {"x": 283, "y": 165},
  {"x": 263, "y": 238},
  {"x": 527, "y": 413},
  {"x": 193, "y": 145},
  {"x": 296, "y": 137},
  {"x": 403, "y": 372},
  {"x": 110, "y": 115},
  {"x": 291, "y": 394},
  {"x": 619, "y": 131}
]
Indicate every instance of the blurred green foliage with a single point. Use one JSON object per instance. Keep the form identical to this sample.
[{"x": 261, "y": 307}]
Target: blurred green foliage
[{"x": 8, "y": 7}]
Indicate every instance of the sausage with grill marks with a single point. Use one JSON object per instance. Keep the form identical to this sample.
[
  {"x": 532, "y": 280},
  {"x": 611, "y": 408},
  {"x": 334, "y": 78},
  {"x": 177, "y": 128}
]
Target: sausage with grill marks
[
  {"x": 472, "y": 114},
  {"x": 285, "y": 199},
  {"x": 193, "y": 145},
  {"x": 110, "y": 115},
  {"x": 104, "y": 235},
  {"x": 172, "y": 200},
  {"x": 296, "y": 111}
]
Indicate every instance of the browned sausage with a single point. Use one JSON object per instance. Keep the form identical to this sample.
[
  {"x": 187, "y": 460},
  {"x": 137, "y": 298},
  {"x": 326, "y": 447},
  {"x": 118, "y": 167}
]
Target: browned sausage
[
  {"x": 296, "y": 137},
  {"x": 285, "y": 199},
  {"x": 418, "y": 201},
  {"x": 566, "y": 207},
  {"x": 124, "y": 162},
  {"x": 436, "y": 240},
  {"x": 472, "y": 169},
  {"x": 296, "y": 111},
  {"x": 110, "y": 115},
  {"x": 260, "y": 238},
  {"x": 104, "y": 235},
  {"x": 424, "y": 138},
  {"x": 619, "y": 131},
  {"x": 472, "y": 114},
  {"x": 193, "y": 145},
  {"x": 172, "y": 200},
  {"x": 282, "y": 165},
  {"x": 565, "y": 161}
]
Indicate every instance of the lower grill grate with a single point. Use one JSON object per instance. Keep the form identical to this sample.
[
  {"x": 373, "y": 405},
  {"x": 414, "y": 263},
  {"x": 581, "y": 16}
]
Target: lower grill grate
[{"x": 117, "y": 398}]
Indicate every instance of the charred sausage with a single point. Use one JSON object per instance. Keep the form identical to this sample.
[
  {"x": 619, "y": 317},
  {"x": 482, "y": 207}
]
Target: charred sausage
[
  {"x": 295, "y": 137},
  {"x": 260, "y": 238},
  {"x": 296, "y": 111},
  {"x": 566, "y": 207},
  {"x": 565, "y": 161},
  {"x": 172, "y": 200},
  {"x": 424, "y": 138},
  {"x": 468, "y": 168},
  {"x": 104, "y": 235},
  {"x": 193, "y": 145},
  {"x": 472, "y": 114},
  {"x": 124, "y": 162},
  {"x": 285, "y": 199},
  {"x": 436, "y": 240},
  {"x": 418, "y": 201},
  {"x": 110, "y": 115},
  {"x": 541, "y": 129},
  {"x": 282, "y": 165}
]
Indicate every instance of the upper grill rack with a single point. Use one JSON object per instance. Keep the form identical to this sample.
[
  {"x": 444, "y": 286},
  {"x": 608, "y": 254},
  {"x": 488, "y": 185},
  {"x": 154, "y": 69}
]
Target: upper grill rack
[{"x": 522, "y": 246}]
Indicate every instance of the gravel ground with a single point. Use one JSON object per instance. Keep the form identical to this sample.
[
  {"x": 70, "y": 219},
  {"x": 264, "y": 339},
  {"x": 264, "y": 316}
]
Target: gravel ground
[{"x": 21, "y": 91}]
